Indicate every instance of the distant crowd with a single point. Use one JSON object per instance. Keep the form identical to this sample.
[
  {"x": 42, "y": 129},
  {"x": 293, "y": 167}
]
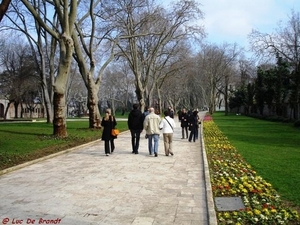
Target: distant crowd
[{"x": 154, "y": 125}]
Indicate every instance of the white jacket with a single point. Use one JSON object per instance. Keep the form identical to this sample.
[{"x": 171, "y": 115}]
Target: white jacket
[
  {"x": 165, "y": 126},
  {"x": 151, "y": 124}
]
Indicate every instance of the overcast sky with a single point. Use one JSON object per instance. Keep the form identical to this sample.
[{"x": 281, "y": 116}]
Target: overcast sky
[{"x": 232, "y": 20}]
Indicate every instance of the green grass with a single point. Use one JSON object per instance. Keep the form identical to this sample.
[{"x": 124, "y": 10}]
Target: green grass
[
  {"x": 24, "y": 141},
  {"x": 271, "y": 148}
]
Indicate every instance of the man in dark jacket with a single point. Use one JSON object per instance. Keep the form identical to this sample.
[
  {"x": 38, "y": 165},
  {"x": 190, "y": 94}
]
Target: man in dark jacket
[{"x": 135, "y": 125}]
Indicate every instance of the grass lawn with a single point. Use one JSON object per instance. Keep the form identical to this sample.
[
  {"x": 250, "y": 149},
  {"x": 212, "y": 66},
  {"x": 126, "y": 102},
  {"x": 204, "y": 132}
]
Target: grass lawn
[
  {"x": 271, "y": 148},
  {"x": 24, "y": 141}
]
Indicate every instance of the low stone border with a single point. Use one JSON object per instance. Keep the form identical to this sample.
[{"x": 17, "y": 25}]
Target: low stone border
[
  {"x": 11, "y": 169},
  {"x": 211, "y": 212}
]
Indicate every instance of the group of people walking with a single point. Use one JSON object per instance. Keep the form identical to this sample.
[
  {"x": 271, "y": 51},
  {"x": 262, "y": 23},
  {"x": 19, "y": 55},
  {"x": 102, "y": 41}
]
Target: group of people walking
[
  {"x": 153, "y": 125},
  {"x": 189, "y": 120}
]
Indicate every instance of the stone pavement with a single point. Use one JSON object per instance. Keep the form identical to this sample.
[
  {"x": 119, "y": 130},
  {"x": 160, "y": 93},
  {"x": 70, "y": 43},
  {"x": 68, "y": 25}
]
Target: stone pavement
[{"x": 83, "y": 186}]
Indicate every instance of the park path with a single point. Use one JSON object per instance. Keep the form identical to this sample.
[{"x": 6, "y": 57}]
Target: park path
[{"x": 83, "y": 186}]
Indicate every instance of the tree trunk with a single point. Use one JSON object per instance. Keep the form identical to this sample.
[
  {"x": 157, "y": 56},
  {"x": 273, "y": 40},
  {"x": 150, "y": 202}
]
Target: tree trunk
[
  {"x": 59, "y": 121},
  {"x": 6, "y": 110},
  {"x": 48, "y": 105},
  {"x": 92, "y": 104},
  {"x": 16, "y": 103},
  {"x": 140, "y": 96},
  {"x": 212, "y": 104}
]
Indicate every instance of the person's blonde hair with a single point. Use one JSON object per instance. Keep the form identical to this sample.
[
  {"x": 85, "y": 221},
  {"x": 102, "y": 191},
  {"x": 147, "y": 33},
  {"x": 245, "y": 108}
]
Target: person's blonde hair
[{"x": 107, "y": 114}]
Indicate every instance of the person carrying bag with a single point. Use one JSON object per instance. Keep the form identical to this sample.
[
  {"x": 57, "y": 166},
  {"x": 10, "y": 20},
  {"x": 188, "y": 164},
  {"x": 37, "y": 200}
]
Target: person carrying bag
[
  {"x": 167, "y": 125},
  {"x": 108, "y": 123}
]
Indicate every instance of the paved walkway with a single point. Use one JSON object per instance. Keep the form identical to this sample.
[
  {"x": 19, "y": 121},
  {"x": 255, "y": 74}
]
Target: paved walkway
[{"x": 83, "y": 186}]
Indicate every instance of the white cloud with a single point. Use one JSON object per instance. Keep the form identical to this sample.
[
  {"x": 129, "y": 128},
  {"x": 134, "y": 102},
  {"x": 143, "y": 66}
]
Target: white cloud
[{"x": 232, "y": 20}]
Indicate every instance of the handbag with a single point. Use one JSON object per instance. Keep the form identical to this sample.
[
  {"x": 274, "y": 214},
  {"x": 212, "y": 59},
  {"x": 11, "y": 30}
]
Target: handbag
[{"x": 115, "y": 132}]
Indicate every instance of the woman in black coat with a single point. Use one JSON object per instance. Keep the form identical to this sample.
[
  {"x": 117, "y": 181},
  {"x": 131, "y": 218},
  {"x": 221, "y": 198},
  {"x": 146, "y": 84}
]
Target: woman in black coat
[
  {"x": 193, "y": 126},
  {"x": 108, "y": 123}
]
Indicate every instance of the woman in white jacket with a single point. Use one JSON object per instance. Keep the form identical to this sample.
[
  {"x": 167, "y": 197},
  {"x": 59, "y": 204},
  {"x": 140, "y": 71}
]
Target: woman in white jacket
[{"x": 167, "y": 125}]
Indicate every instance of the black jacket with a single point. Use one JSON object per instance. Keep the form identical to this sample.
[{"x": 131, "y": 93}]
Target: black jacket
[
  {"x": 135, "y": 120},
  {"x": 184, "y": 119},
  {"x": 193, "y": 121},
  {"x": 107, "y": 127}
]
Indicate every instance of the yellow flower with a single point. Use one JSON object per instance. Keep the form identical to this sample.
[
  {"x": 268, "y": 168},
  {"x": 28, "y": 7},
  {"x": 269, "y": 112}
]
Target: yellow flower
[
  {"x": 273, "y": 211},
  {"x": 256, "y": 212},
  {"x": 250, "y": 213},
  {"x": 266, "y": 211},
  {"x": 226, "y": 215},
  {"x": 245, "y": 190}
]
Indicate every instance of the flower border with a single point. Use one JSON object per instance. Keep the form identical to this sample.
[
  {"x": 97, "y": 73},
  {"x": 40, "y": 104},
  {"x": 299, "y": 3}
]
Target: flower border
[{"x": 231, "y": 176}]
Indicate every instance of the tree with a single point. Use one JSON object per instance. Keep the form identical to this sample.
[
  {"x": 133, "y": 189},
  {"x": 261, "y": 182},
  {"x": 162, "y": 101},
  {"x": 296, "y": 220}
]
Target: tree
[
  {"x": 237, "y": 100},
  {"x": 285, "y": 42},
  {"x": 146, "y": 32},
  {"x": 217, "y": 65},
  {"x": 19, "y": 82},
  {"x": 76, "y": 94},
  {"x": 91, "y": 33},
  {"x": 260, "y": 91},
  {"x": 3, "y": 8},
  {"x": 272, "y": 88},
  {"x": 118, "y": 86},
  {"x": 41, "y": 48},
  {"x": 65, "y": 12}
]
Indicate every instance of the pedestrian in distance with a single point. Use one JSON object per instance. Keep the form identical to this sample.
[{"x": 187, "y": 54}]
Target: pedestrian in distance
[
  {"x": 151, "y": 126},
  {"x": 193, "y": 126},
  {"x": 167, "y": 125},
  {"x": 171, "y": 112},
  {"x": 108, "y": 123},
  {"x": 183, "y": 118},
  {"x": 198, "y": 122},
  {"x": 146, "y": 112},
  {"x": 135, "y": 125}
]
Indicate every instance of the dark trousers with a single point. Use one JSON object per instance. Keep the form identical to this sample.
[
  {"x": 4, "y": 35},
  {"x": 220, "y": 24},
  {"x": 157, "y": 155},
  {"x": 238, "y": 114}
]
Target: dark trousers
[
  {"x": 184, "y": 130},
  {"x": 135, "y": 140},
  {"x": 109, "y": 146},
  {"x": 196, "y": 132},
  {"x": 193, "y": 134}
]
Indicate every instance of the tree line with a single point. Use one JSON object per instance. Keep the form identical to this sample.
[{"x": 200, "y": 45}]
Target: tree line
[
  {"x": 275, "y": 90},
  {"x": 86, "y": 55}
]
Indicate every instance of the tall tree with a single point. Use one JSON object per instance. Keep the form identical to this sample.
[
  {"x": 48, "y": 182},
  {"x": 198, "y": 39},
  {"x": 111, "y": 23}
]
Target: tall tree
[
  {"x": 217, "y": 66},
  {"x": 87, "y": 42},
  {"x": 145, "y": 32},
  {"x": 41, "y": 48},
  {"x": 66, "y": 12}
]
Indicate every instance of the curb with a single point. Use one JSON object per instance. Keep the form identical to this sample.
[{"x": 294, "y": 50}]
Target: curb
[
  {"x": 212, "y": 217},
  {"x": 20, "y": 166},
  {"x": 11, "y": 169}
]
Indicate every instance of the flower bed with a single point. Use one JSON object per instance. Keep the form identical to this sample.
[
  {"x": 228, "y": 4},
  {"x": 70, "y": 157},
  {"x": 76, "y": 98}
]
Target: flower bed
[{"x": 231, "y": 176}]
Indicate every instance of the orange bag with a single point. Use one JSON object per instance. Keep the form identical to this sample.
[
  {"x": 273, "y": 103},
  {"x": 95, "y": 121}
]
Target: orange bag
[{"x": 115, "y": 132}]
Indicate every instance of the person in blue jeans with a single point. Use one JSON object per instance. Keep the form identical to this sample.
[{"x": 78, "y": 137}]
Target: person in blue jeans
[
  {"x": 135, "y": 125},
  {"x": 151, "y": 126}
]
